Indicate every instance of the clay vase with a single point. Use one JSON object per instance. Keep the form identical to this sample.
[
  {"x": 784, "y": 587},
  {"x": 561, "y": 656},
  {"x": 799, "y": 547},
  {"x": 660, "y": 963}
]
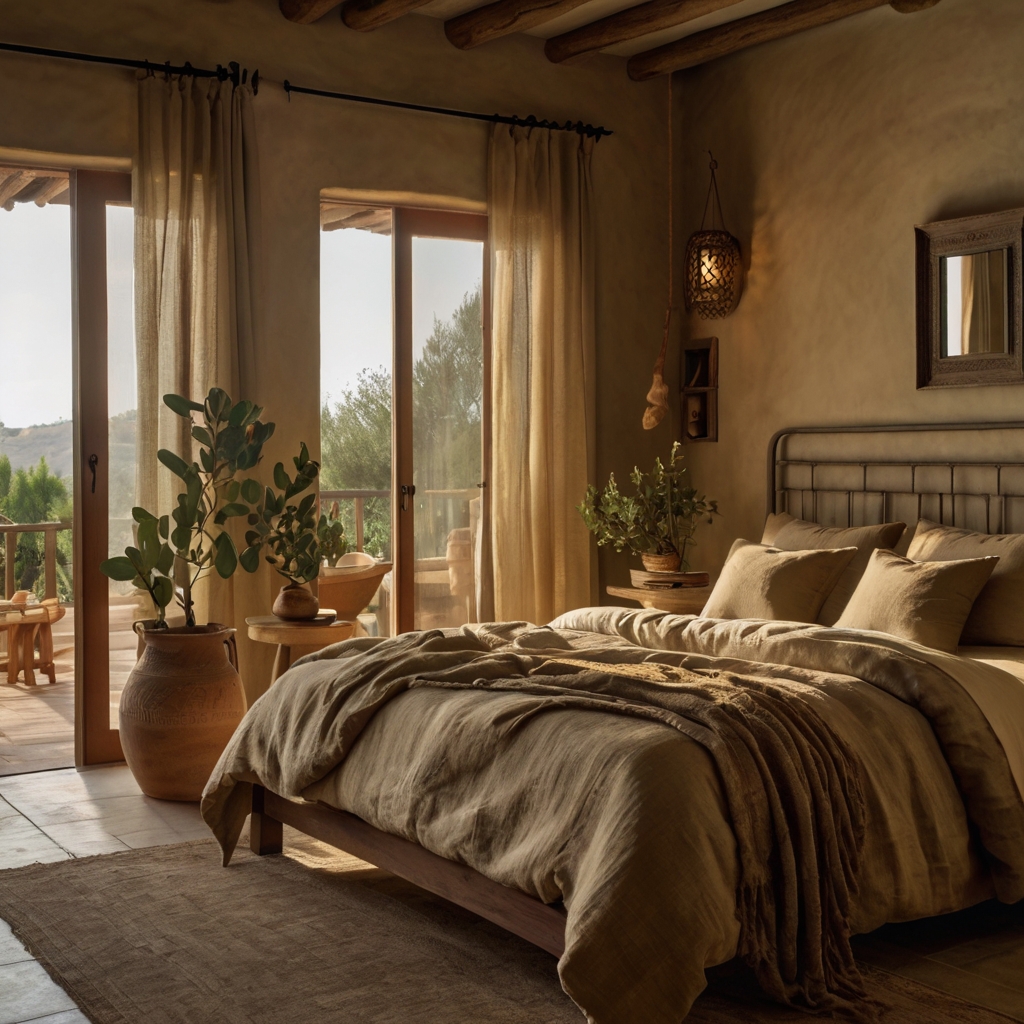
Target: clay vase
[
  {"x": 182, "y": 702},
  {"x": 295, "y": 603},
  {"x": 661, "y": 563}
]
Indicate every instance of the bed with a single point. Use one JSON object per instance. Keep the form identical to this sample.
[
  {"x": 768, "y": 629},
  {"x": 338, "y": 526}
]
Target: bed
[{"x": 646, "y": 795}]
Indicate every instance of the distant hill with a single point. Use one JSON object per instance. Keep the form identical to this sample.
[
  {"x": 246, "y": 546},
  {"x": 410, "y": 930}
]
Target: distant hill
[{"x": 27, "y": 445}]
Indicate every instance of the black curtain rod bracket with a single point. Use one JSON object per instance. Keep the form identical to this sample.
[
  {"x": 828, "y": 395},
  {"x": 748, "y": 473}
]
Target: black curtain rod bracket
[
  {"x": 233, "y": 71},
  {"x": 589, "y": 130}
]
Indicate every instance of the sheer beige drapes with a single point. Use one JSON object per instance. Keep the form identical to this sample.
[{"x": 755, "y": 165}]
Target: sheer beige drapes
[
  {"x": 543, "y": 370},
  {"x": 195, "y": 186}
]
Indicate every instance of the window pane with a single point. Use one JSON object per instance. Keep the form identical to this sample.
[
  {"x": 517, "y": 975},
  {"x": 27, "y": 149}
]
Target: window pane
[
  {"x": 447, "y": 422},
  {"x": 355, "y": 394}
]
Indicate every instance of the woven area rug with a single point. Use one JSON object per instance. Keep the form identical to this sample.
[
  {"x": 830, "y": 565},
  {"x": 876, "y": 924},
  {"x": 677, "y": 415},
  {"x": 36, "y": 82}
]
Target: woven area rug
[{"x": 167, "y": 936}]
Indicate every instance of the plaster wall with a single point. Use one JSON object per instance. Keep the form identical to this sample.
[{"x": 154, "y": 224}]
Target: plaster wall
[
  {"x": 831, "y": 146},
  {"x": 311, "y": 143}
]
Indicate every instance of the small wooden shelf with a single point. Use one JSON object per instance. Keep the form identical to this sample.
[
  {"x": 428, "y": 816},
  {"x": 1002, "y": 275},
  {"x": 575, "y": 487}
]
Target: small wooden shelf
[
  {"x": 699, "y": 390},
  {"x": 679, "y": 601}
]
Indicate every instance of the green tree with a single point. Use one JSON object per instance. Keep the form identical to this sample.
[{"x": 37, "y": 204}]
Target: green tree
[{"x": 5, "y": 477}]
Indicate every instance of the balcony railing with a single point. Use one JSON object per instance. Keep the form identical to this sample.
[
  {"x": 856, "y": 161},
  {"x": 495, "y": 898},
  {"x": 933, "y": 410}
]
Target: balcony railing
[
  {"x": 358, "y": 498},
  {"x": 11, "y": 532}
]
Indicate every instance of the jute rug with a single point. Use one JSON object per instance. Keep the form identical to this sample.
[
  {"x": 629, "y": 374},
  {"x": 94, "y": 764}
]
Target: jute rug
[{"x": 167, "y": 936}]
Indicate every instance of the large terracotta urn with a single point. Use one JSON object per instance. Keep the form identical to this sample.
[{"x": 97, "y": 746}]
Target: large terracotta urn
[{"x": 182, "y": 702}]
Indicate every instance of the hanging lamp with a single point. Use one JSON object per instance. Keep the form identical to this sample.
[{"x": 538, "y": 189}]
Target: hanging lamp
[{"x": 714, "y": 271}]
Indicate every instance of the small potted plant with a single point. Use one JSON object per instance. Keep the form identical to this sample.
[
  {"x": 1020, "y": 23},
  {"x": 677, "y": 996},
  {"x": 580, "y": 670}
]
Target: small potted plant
[
  {"x": 330, "y": 532},
  {"x": 657, "y": 522}
]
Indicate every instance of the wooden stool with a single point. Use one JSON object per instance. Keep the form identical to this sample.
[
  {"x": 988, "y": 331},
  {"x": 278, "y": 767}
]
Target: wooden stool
[
  {"x": 309, "y": 636},
  {"x": 32, "y": 622}
]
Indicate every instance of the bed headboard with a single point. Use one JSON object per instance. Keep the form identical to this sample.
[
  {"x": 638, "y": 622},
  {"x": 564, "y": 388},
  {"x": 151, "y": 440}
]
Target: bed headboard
[{"x": 967, "y": 474}]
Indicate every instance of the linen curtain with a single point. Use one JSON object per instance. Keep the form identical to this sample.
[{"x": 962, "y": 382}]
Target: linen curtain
[
  {"x": 543, "y": 360},
  {"x": 195, "y": 185}
]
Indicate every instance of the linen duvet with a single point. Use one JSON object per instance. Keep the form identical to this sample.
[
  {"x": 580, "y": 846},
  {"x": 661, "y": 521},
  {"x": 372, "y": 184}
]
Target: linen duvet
[{"x": 690, "y": 789}]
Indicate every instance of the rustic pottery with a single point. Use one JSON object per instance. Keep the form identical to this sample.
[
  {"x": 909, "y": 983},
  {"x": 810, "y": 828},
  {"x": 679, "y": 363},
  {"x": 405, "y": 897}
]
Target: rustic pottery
[
  {"x": 661, "y": 563},
  {"x": 295, "y": 603},
  {"x": 179, "y": 707}
]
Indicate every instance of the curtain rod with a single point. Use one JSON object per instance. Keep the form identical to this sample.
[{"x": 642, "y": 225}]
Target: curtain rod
[
  {"x": 233, "y": 71},
  {"x": 522, "y": 122},
  {"x": 238, "y": 75}
]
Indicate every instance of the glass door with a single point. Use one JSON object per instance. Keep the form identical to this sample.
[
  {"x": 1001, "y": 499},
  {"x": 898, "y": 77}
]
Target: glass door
[{"x": 441, "y": 404}]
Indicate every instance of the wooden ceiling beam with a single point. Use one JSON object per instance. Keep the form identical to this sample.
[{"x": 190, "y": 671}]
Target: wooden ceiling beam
[
  {"x": 775, "y": 23},
  {"x": 503, "y": 18},
  {"x": 366, "y": 15},
  {"x": 631, "y": 23},
  {"x": 305, "y": 12}
]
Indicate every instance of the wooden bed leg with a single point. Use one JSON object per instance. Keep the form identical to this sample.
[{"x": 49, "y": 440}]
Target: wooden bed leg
[{"x": 266, "y": 835}]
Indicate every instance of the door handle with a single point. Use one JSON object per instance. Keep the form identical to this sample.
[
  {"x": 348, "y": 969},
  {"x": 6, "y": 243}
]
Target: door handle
[
  {"x": 93, "y": 462},
  {"x": 407, "y": 491}
]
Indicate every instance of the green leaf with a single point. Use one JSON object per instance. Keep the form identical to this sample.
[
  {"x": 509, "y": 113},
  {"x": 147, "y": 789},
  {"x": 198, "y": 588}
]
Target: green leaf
[
  {"x": 249, "y": 559},
  {"x": 140, "y": 515},
  {"x": 163, "y": 591},
  {"x": 180, "y": 538},
  {"x": 232, "y": 490},
  {"x": 163, "y": 526},
  {"x": 206, "y": 459},
  {"x": 181, "y": 405},
  {"x": 119, "y": 568},
  {"x": 202, "y": 435},
  {"x": 165, "y": 561},
  {"x": 303, "y": 456},
  {"x": 227, "y": 555},
  {"x": 228, "y": 511},
  {"x": 281, "y": 478},
  {"x": 149, "y": 543},
  {"x": 217, "y": 401},
  {"x": 239, "y": 413},
  {"x": 178, "y": 466},
  {"x": 251, "y": 491}
]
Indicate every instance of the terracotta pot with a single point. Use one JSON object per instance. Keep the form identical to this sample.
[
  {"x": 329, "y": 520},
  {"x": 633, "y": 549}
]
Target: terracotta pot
[
  {"x": 295, "y": 603},
  {"x": 349, "y": 588},
  {"x": 182, "y": 702},
  {"x": 661, "y": 563}
]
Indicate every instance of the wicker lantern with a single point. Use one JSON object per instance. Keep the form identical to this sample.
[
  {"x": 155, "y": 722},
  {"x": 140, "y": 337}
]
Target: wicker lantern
[{"x": 714, "y": 271}]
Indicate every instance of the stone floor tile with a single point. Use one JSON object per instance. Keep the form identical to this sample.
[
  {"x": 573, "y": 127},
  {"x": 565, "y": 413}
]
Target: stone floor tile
[
  {"x": 23, "y": 843},
  {"x": 29, "y": 992},
  {"x": 11, "y": 949},
  {"x": 83, "y": 838}
]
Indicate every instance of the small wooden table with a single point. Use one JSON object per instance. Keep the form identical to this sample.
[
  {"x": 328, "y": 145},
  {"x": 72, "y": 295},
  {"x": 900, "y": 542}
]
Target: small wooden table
[
  {"x": 309, "y": 636},
  {"x": 678, "y": 600}
]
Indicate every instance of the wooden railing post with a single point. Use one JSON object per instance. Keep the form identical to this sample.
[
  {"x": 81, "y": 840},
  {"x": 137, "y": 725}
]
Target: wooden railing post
[
  {"x": 10, "y": 547},
  {"x": 50, "y": 563},
  {"x": 359, "y": 524}
]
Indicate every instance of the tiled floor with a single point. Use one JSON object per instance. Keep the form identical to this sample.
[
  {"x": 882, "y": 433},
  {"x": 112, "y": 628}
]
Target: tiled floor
[
  {"x": 977, "y": 955},
  {"x": 57, "y": 815}
]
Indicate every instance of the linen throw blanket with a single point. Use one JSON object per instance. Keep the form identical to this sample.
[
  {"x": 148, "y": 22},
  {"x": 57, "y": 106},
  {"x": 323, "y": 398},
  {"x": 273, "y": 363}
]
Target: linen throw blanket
[{"x": 792, "y": 786}]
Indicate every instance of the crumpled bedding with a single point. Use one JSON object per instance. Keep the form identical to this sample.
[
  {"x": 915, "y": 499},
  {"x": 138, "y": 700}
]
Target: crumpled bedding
[{"x": 623, "y": 819}]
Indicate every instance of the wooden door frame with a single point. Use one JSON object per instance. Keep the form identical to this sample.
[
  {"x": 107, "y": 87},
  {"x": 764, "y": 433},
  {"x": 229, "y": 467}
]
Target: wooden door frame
[
  {"x": 95, "y": 741},
  {"x": 406, "y": 224}
]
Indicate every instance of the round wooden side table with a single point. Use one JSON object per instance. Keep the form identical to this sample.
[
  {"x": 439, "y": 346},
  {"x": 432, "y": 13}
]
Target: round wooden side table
[
  {"x": 307, "y": 636},
  {"x": 678, "y": 600}
]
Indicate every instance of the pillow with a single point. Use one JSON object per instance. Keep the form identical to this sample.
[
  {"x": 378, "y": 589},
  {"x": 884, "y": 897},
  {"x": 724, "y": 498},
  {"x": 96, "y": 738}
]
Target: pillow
[
  {"x": 760, "y": 582},
  {"x": 927, "y": 602},
  {"x": 792, "y": 534},
  {"x": 998, "y": 614}
]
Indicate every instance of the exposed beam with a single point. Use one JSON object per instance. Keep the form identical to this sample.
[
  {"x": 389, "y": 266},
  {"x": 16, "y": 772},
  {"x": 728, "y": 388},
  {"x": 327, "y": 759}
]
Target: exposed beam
[
  {"x": 306, "y": 11},
  {"x": 630, "y": 24},
  {"x": 775, "y": 23},
  {"x": 365, "y": 15},
  {"x": 502, "y": 18}
]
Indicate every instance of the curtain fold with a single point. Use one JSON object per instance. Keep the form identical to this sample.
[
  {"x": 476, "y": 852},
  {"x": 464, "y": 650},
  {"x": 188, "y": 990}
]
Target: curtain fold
[
  {"x": 543, "y": 366},
  {"x": 196, "y": 193}
]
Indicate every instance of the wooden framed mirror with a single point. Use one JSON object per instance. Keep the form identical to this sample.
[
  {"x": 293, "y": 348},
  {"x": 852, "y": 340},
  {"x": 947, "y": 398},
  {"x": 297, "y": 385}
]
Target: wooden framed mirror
[{"x": 969, "y": 301}]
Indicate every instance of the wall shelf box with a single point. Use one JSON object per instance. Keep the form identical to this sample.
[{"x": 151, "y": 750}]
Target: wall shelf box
[{"x": 699, "y": 391}]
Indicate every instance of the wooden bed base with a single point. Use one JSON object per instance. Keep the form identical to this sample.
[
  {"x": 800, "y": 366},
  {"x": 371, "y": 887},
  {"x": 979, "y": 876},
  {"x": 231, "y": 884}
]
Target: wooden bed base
[{"x": 515, "y": 911}]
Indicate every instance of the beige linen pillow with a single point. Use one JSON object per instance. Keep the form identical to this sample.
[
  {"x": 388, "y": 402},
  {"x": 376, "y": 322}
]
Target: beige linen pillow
[
  {"x": 998, "y": 614},
  {"x": 760, "y": 582},
  {"x": 927, "y": 602},
  {"x": 791, "y": 534}
]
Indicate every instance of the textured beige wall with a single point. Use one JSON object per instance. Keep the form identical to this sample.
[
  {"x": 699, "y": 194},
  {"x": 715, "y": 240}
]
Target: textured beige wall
[
  {"x": 832, "y": 145},
  {"x": 313, "y": 143}
]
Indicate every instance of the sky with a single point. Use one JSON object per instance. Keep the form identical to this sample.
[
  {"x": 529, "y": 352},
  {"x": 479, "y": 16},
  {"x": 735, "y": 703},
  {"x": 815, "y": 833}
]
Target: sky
[
  {"x": 35, "y": 313},
  {"x": 355, "y": 307}
]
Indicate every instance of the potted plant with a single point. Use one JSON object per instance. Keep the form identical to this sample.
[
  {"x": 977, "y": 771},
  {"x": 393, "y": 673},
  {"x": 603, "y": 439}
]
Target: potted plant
[
  {"x": 657, "y": 522},
  {"x": 330, "y": 533},
  {"x": 290, "y": 534},
  {"x": 184, "y": 698}
]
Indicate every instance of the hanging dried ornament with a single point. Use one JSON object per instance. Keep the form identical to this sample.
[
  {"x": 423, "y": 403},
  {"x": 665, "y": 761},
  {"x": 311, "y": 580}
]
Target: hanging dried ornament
[
  {"x": 714, "y": 271},
  {"x": 657, "y": 397}
]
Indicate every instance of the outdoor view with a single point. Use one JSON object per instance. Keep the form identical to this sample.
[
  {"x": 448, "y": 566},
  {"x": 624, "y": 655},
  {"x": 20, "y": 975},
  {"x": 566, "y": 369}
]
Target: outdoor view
[{"x": 356, "y": 405}]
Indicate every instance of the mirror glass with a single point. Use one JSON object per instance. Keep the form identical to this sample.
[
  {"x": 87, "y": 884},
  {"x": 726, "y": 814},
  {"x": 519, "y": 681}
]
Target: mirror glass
[{"x": 975, "y": 303}]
